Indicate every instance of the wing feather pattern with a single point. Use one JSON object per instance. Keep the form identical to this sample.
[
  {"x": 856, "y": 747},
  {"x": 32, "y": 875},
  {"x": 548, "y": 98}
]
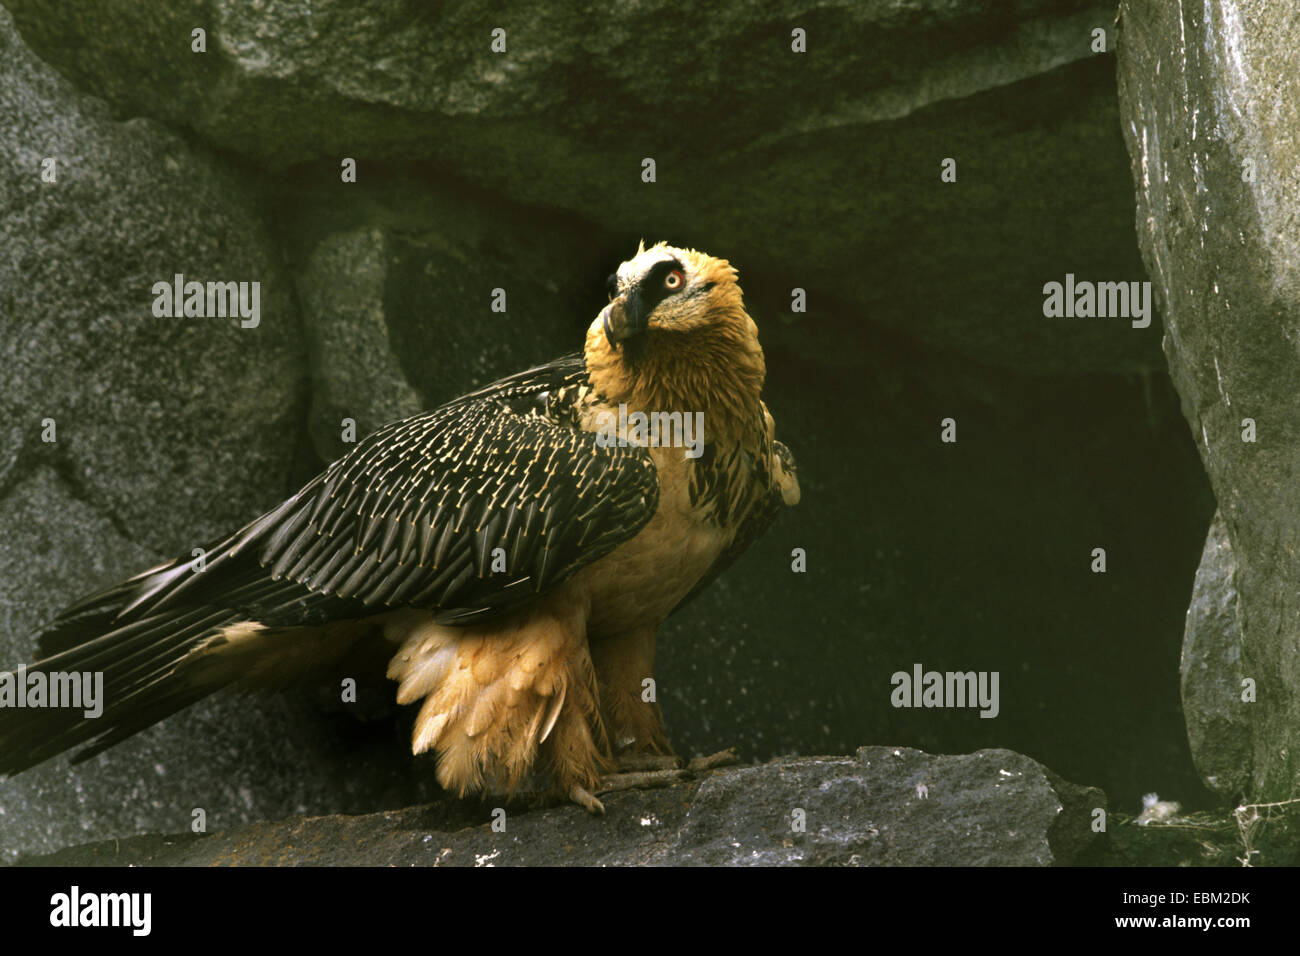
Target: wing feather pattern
[
  {"x": 422, "y": 513},
  {"x": 427, "y": 511}
]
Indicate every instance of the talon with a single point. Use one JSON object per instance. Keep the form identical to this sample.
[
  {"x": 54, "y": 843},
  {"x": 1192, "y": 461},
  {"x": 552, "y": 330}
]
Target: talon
[{"x": 582, "y": 798}]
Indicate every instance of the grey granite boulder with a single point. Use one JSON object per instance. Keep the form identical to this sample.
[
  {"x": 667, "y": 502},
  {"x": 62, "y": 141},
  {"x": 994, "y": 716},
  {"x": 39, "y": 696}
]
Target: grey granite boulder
[
  {"x": 760, "y": 150},
  {"x": 1219, "y": 726},
  {"x": 883, "y": 807},
  {"x": 1210, "y": 98}
]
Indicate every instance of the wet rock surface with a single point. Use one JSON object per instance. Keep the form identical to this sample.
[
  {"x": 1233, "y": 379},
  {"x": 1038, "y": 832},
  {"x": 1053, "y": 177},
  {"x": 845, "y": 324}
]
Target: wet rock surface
[
  {"x": 1218, "y": 719},
  {"x": 1210, "y": 98},
  {"x": 882, "y": 807}
]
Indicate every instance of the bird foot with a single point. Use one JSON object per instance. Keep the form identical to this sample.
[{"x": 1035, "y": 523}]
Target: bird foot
[
  {"x": 635, "y": 763},
  {"x": 723, "y": 758},
  {"x": 636, "y": 772},
  {"x": 648, "y": 772},
  {"x": 651, "y": 771},
  {"x": 642, "y": 780}
]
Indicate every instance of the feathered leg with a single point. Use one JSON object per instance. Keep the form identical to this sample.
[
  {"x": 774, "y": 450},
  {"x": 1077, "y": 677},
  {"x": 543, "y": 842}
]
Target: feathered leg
[
  {"x": 628, "y": 697},
  {"x": 502, "y": 698}
]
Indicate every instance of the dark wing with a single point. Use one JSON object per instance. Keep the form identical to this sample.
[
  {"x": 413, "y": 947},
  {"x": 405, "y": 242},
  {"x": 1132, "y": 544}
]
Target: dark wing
[
  {"x": 425, "y": 512},
  {"x": 468, "y": 511},
  {"x": 472, "y": 509}
]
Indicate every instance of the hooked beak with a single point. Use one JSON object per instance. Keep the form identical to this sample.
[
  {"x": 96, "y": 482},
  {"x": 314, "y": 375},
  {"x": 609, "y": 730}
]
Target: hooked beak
[{"x": 624, "y": 318}]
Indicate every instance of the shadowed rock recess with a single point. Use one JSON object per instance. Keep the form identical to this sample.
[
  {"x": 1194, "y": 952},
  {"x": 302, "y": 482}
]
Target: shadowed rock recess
[
  {"x": 1210, "y": 95},
  {"x": 522, "y": 171}
]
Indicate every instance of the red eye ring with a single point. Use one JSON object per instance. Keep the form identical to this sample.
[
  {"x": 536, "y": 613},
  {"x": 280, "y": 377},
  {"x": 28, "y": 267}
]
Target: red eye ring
[{"x": 674, "y": 280}]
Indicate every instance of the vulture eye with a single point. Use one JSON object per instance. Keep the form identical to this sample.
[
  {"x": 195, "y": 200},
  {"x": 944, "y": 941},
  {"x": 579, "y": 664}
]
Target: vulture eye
[
  {"x": 611, "y": 285},
  {"x": 674, "y": 280}
]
